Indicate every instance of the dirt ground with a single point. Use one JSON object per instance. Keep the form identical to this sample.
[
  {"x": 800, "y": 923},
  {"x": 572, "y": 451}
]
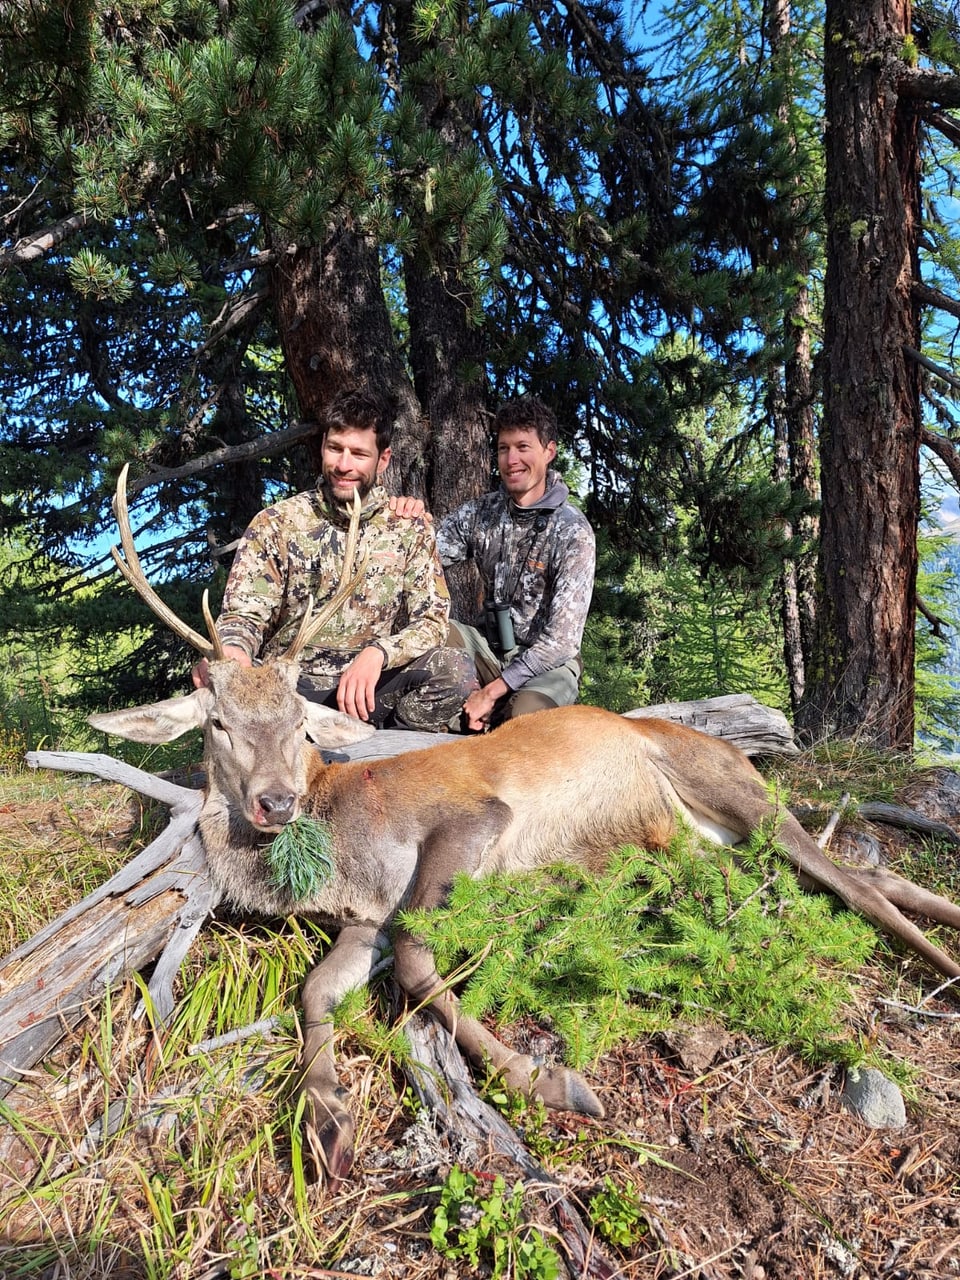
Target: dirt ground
[{"x": 741, "y": 1160}]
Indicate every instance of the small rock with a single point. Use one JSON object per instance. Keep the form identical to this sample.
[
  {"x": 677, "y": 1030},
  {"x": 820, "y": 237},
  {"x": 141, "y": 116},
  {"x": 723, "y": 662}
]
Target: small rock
[
  {"x": 874, "y": 1099},
  {"x": 695, "y": 1047}
]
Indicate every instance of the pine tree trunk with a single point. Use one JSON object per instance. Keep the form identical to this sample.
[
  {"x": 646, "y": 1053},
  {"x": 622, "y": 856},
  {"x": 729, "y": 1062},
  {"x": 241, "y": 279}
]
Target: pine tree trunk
[
  {"x": 862, "y": 680},
  {"x": 802, "y": 450},
  {"x": 446, "y": 348},
  {"x": 794, "y": 432},
  {"x": 336, "y": 334}
]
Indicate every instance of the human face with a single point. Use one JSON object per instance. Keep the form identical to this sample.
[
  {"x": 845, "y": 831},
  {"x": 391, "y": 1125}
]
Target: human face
[
  {"x": 523, "y": 463},
  {"x": 349, "y": 461}
]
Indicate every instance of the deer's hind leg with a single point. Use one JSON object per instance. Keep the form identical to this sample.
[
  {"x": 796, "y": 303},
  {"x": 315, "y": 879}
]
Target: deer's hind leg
[
  {"x": 906, "y": 895},
  {"x": 453, "y": 846}
]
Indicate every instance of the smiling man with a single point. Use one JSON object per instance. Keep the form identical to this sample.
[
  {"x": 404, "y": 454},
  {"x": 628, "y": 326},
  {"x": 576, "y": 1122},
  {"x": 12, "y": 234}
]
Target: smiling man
[
  {"x": 382, "y": 656},
  {"x": 536, "y": 557}
]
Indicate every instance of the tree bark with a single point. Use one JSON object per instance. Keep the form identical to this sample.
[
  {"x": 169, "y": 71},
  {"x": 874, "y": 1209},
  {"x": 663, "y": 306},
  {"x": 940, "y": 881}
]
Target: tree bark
[
  {"x": 446, "y": 347},
  {"x": 794, "y": 427},
  {"x": 862, "y": 679},
  {"x": 336, "y": 334}
]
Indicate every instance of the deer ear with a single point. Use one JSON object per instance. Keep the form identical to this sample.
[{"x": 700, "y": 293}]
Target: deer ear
[
  {"x": 157, "y": 721},
  {"x": 328, "y": 728}
]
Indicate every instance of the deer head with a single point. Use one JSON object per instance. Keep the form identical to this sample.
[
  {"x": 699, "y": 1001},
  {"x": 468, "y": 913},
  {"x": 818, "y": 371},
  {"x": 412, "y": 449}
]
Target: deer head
[{"x": 253, "y": 720}]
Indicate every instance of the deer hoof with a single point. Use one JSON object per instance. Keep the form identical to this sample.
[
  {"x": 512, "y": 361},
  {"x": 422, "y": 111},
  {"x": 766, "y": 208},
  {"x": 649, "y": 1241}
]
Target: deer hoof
[
  {"x": 565, "y": 1090},
  {"x": 329, "y": 1131}
]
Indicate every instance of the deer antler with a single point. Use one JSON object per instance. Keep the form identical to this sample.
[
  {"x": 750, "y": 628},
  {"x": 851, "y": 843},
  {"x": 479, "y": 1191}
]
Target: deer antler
[
  {"x": 312, "y": 623},
  {"x": 132, "y": 571}
]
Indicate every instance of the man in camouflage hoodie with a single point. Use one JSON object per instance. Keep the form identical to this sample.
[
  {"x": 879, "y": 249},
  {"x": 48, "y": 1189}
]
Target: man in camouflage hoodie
[
  {"x": 381, "y": 657},
  {"x": 536, "y": 557}
]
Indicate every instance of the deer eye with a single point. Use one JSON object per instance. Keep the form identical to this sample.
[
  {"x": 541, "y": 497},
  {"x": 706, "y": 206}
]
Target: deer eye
[{"x": 217, "y": 723}]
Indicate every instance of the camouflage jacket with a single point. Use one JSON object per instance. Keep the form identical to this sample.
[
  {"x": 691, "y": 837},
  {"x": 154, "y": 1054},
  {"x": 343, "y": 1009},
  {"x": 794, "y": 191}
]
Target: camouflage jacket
[
  {"x": 295, "y": 549},
  {"x": 541, "y": 559}
]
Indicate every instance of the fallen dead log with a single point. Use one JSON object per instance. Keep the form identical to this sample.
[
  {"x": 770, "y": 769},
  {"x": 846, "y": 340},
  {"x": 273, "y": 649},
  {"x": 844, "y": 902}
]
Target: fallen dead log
[
  {"x": 475, "y": 1130},
  {"x": 892, "y": 815},
  {"x": 152, "y": 907},
  {"x": 739, "y": 718}
]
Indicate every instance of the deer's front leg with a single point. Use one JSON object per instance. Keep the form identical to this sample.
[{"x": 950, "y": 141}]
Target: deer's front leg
[
  {"x": 347, "y": 965},
  {"x": 457, "y": 846}
]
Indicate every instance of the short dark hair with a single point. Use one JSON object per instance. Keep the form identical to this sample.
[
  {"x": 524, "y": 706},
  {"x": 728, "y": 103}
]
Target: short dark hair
[
  {"x": 527, "y": 413},
  {"x": 360, "y": 411}
]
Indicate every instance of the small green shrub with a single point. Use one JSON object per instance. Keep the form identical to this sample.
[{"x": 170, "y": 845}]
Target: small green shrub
[
  {"x": 602, "y": 959},
  {"x": 618, "y": 1215},
  {"x": 482, "y": 1222}
]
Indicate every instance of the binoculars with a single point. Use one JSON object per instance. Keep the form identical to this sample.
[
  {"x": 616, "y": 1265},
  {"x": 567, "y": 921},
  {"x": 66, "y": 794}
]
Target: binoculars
[{"x": 498, "y": 626}]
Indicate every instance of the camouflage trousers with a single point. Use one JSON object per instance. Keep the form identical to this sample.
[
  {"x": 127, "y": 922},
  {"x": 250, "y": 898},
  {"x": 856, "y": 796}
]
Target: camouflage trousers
[
  {"x": 425, "y": 694},
  {"x": 556, "y": 688}
]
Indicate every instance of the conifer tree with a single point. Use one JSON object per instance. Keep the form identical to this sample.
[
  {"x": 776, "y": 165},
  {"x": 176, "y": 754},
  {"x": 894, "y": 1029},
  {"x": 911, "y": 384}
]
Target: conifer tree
[
  {"x": 884, "y": 90},
  {"x": 217, "y": 215}
]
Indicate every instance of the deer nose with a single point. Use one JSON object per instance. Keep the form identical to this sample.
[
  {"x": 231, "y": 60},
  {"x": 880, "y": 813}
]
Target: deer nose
[{"x": 278, "y": 806}]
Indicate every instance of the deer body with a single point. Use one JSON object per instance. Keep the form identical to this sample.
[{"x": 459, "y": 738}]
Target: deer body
[
  {"x": 566, "y": 785},
  {"x": 570, "y": 784}
]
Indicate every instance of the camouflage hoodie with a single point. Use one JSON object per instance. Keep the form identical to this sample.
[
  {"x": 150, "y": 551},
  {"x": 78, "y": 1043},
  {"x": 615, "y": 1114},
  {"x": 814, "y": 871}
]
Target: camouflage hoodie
[
  {"x": 295, "y": 549},
  {"x": 541, "y": 558}
]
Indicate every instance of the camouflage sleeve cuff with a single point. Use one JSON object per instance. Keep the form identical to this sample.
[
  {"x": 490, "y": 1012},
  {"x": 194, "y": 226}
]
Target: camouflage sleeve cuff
[
  {"x": 238, "y": 632},
  {"x": 375, "y": 644}
]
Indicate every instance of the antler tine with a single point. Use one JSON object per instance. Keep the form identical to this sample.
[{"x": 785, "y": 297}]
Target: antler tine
[
  {"x": 132, "y": 571},
  {"x": 309, "y": 626},
  {"x": 211, "y": 626}
]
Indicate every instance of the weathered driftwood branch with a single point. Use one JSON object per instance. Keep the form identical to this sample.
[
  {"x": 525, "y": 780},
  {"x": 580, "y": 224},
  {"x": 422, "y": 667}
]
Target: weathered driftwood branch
[
  {"x": 894, "y": 815},
  {"x": 757, "y": 730},
  {"x": 441, "y": 1080},
  {"x": 152, "y": 906},
  {"x": 826, "y": 835},
  {"x": 737, "y": 717}
]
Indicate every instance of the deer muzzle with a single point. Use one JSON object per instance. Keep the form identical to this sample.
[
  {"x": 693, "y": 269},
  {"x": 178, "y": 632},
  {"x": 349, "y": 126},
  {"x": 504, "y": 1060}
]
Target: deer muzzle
[{"x": 275, "y": 808}]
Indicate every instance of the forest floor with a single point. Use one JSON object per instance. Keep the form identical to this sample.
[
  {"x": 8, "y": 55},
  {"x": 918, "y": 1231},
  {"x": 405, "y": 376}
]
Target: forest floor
[{"x": 726, "y": 1158}]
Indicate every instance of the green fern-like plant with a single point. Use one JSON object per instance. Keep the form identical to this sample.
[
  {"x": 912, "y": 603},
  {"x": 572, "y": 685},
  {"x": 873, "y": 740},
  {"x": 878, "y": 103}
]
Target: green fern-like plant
[
  {"x": 600, "y": 959},
  {"x": 301, "y": 857}
]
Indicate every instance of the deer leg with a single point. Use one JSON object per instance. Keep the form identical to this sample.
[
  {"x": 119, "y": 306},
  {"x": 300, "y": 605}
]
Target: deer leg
[
  {"x": 906, "y": 895},
  {"x": 860, "y": 893},
  {"x": 457, "y": 846},
  {"x": 329, "y": 1126}
]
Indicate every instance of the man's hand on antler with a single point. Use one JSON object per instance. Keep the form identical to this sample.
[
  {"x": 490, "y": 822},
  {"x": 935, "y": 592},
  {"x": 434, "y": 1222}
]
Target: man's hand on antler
[{"x": 199, "y": 673}]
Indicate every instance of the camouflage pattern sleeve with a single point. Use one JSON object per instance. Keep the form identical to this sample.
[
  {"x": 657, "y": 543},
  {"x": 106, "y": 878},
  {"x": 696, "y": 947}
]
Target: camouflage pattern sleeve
[
  {"x": 454, "y": 533},
  {"x": 255, "y": 590},
  {"x": 556, "y": 631},
  {"x": 425, "y": 595}
]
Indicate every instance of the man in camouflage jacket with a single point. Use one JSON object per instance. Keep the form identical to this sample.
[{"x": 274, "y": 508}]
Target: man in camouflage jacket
[
  {"x": 536, "y": 558},
  {"x": 381, "y": 657}
]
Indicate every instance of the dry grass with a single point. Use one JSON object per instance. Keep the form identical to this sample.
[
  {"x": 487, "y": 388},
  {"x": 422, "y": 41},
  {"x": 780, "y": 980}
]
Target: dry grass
[{"x": 741, "y": 1166}]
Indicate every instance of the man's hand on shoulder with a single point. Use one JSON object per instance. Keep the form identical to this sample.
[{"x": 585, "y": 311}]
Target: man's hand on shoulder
[
  {"x": 357, "y": 690},
  {"x": 409, "y": 508}
]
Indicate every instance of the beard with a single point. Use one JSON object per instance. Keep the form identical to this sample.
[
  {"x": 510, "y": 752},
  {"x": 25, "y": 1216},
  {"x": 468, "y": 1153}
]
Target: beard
[{"x": 362, "y": 487}]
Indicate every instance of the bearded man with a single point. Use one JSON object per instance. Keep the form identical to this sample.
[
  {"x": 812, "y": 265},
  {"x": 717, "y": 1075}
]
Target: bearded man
[{"x": 381, "y": 657}]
